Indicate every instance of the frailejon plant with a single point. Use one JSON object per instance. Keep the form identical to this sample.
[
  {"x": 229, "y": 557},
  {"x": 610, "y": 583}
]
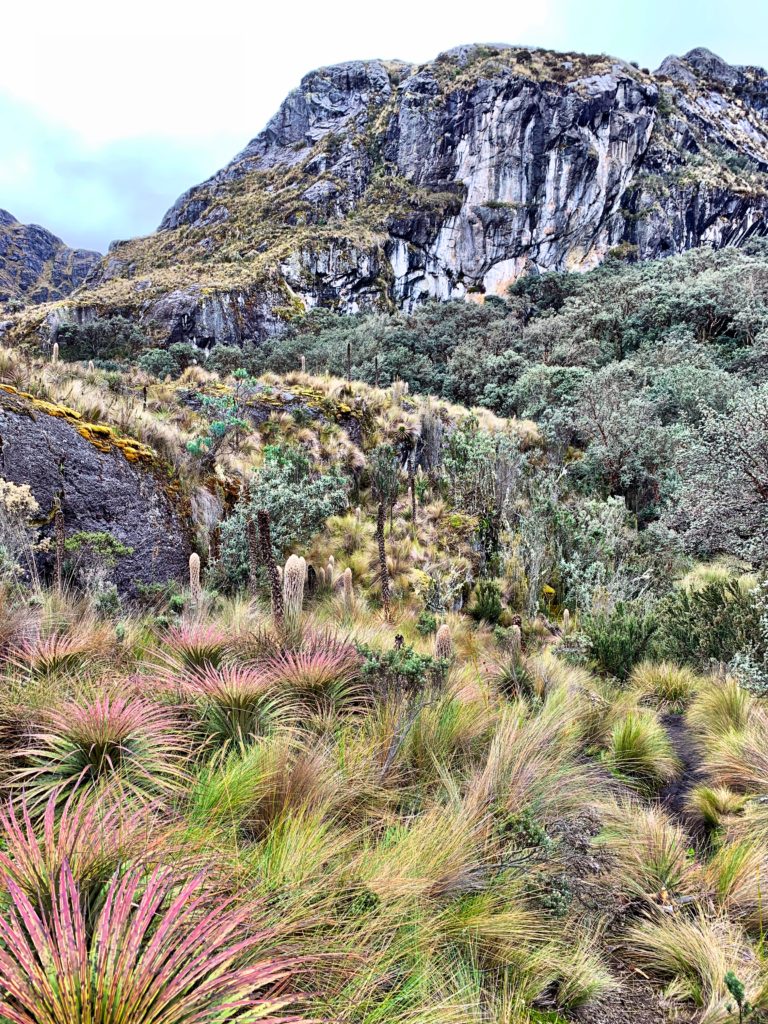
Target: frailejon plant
[{"x": 155, "y": 952}]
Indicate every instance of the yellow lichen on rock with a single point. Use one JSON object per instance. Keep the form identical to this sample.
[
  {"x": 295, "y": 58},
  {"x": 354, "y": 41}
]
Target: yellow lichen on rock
[{"x": 103, "y": 437}]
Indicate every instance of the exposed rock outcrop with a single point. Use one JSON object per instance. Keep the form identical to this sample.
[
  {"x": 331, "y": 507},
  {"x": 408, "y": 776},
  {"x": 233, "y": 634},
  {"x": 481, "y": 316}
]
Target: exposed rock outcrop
[
  {"x": 103, "y": 482},
  {"x": 383, "y": 184},
  {"x": 36, "y": 266}
]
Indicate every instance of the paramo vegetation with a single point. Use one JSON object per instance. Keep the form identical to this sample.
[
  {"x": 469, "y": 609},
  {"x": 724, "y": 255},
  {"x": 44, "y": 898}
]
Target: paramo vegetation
[{"x": 460, "y": 715}]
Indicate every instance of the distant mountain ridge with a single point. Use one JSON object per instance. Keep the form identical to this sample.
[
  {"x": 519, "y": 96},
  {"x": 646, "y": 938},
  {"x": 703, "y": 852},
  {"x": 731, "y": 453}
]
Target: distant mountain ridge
[
  {"x": 36, "y": 266},
  {"x": 378, "y": 185}
]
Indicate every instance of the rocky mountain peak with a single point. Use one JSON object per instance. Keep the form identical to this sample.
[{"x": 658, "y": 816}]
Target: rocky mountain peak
[
  {"x": 380, "y": 184},
  {"x": 36, "y": 266}
]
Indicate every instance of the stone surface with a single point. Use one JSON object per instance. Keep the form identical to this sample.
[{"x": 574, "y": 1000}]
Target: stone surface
[
  {"x": 381, "y": 184},
  {"x": 36, "y": 266},
  {"x": 98, "y": 490}
]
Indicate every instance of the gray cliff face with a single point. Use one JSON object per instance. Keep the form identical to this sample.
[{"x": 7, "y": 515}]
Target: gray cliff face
[
  {"x": 98, "y": 491},
  {"x": 382, "y": 184},
  {"x": 36, "y": 266}
]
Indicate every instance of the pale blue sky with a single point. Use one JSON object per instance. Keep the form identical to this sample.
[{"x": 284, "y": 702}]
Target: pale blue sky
[{"x": 108, "y": 112}]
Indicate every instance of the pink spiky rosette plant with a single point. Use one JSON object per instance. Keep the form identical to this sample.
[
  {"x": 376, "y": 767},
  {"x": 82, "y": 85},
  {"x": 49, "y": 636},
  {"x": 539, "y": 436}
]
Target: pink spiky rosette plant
[
  {"x": 192, "y": 647},
  {"x": 233, "y": 701},
  {"x": 92, "y": 839},
  {"x": 324, "y": 672},
  {"x": 127, "y": 745},
  {"x": 156, "y": 953}
]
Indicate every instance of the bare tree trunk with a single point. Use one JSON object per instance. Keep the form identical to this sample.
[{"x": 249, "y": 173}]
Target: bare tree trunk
[
  {"x": 412, "y": 486},
  {"x": 268, "y": 556},
  {"x": 383, "y": 571}
]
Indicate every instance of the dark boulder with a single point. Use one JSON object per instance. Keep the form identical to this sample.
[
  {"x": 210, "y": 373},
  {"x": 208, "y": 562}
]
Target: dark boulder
[{"x": 104, "y": 482}]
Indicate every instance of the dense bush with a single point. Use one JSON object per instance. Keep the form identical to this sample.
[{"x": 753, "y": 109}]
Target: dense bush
[
  {"x": 298, "y": 499},
  {"x": 714, "y": 623},
  {"x": 620, "y": 638},
  {"x": 168, "y": 362},
  {"x": 114, "y": 337}
]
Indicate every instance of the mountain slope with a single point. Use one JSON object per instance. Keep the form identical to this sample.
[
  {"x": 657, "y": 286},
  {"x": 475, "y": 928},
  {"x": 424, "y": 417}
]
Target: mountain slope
[
  {"x": 36, "y": 266},
  {"x": 378, "y": 185}
]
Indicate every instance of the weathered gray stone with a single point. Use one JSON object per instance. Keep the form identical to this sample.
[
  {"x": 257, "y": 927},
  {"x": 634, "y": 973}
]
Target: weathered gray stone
[
  {"x": 98, "y": 491},
  {"x": 506, "y": 160}
]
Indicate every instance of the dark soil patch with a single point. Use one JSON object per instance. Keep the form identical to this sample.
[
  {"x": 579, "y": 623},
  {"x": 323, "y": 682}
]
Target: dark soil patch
[
  {"x": 635, "y": 1002},
  {"x": 674, "y": 796}
]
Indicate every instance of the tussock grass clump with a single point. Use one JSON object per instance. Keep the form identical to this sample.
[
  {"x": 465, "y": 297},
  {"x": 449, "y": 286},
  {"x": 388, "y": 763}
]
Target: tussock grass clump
[
  {"x": 714, "y": 805},
  {"x": 651, "y": 853},
  {"x": 640, "y": 752},
  {"x": 738, "y": 875},
  {"x": 664, "y": 685},
  {"x": 719, "y": 707},
  {"x": 693, "y": 955},
  {"x": 739, "y": 758}
]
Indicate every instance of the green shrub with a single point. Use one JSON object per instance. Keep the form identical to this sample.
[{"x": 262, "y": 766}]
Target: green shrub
[
  {"x": 426, "y": 624},
  {"x": 714, "y": 623},
  {"x": 619, "y": 639},
  {"x": 299, "y": 501},
  {"x": 487, "y": 606}
]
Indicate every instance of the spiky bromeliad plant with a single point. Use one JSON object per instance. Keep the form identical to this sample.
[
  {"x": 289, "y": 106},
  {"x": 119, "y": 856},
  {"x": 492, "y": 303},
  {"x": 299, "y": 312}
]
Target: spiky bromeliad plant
[
  {"x": 234, "y": 701},
  {"x": 325, "y": 671},
  {"x": 93, "y": 840},
  {"x": 125, "y": 744},
  {"x": 155, "y": 952},
  {"x": 193, "y": 647}
]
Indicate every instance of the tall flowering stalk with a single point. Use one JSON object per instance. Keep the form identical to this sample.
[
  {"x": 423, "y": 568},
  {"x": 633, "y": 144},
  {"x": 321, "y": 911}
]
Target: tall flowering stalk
[
  {"x": 294, "y": 576},
  {"x": 195, "y": 587},
  {"x": 155, "y": 953}
]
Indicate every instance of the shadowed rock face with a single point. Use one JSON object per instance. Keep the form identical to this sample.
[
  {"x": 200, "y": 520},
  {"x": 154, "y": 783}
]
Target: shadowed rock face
[
  {"x": 99, "y": 490},
  {"x": 36, "y": 266},
  {"x": 384, "y": 184}
]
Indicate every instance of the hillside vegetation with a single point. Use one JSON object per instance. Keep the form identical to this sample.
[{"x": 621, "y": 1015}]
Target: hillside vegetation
[{"x": 459, "y": 717}]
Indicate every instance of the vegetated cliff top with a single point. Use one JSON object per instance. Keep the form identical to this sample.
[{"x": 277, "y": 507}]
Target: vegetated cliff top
[
  {"x": 380, "y": 184},
  {"x": 36, "y": 266}
]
